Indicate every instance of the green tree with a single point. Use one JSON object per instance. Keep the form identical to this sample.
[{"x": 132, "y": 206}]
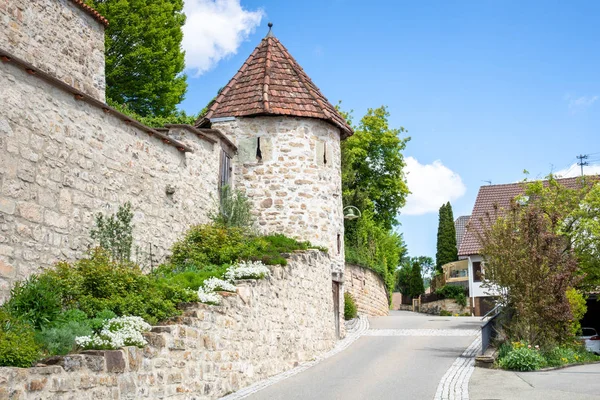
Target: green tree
[
  {"x": 416, "y": 286},
  {"x": 406, "y": 277},
  {"x": 446, "y": 238},
  {"x": 373, "y": 167},
  {"x": 144, "y": 58}
]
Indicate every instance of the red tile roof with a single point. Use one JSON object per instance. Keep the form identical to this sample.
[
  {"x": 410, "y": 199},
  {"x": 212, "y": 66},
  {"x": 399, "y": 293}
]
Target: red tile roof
[
  {"x": 89, "y": 10},
  {"x": 500, "y": 195},
  {"x": 271, "y": 82}
]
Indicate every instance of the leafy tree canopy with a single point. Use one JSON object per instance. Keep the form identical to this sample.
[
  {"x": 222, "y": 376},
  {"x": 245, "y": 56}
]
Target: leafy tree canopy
[
  {"x": 144, "y": 58},
  {"x": 373, "y": 167}
]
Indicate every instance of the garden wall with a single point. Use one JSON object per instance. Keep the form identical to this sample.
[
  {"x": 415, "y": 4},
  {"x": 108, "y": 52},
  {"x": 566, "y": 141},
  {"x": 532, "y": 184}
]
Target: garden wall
[
  {"x": 63, "y": 160},
  {"x": 268, "y": 327},
  {"x": 368, "y": 290},
  {"x": 435, "y": 307}
]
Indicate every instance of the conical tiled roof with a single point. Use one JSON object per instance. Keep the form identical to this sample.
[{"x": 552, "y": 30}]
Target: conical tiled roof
[{"x": 272, "y": 83}]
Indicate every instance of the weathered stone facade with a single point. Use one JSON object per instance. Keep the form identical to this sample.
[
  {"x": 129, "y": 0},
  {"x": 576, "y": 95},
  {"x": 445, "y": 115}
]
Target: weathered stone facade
[
  {"x": 368, "y": 290},
  {"x": 58, "y": 38},
  {"x": 295, "y": 185},
  {"x": 64, "y": 160},
  {"x": 269, "y": 327}
]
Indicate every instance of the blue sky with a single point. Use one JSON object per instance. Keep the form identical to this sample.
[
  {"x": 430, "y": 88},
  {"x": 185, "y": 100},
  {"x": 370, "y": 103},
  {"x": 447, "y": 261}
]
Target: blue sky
[{"x": 486, "y": 89}]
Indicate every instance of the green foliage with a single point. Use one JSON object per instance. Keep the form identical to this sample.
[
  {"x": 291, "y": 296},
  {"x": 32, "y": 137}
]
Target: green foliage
[
  {"x": 446, "y": 238},
  {"x": 416, "y": 287},
  {"x": 522, "y": 359},
  {"x": 532, "y": 268},
  {"x": 374, "y": 247},
  {"x": 115, "y": 233},
  {"x": 155, "y": 121},
  {"x": 578, "y": 309},
  {"x": 234, "y": 209},
  {"x": 445, "y": 313},
  {"x": 144, "y": 58},
  {"x": 373, "y": 168},
  {"x": 36, "y": 300},
  {"x": 350, "y": 310},
  {"x": 17, "y": 342},
  {"x": 213, "y": 245},
  {"x": 60, "y": 339},
  {"x": 520, "y": 356},
  {"x": 453, "y": 292},
  {"x": 191, "y": 279}
]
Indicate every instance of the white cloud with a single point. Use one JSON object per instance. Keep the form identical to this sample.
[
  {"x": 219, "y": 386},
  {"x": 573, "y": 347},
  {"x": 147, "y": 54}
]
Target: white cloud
[
  {"x": 575, "y": 170},
  {"x": 580, "y": 103},
  {"x": 431, "y": 185},
  {"x": 214, "y": 29}
]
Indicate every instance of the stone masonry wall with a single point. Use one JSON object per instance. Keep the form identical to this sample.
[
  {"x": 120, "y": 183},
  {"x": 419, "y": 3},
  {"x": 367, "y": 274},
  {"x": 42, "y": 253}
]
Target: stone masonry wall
[
  {"x": 435, "y": 307},
  {"x": 296, "y": 186},
  {"x": 63, "y": 161},
  {"x": 267, "y": 328},
  {"x": 57, "y": 37},
  {"x": 368, "y": 290}
]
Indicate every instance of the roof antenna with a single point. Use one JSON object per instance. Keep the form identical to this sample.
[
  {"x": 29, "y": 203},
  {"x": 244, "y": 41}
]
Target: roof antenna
[
  {"x": 270, "y": 25},
  {"x": 488, "y": 182}
]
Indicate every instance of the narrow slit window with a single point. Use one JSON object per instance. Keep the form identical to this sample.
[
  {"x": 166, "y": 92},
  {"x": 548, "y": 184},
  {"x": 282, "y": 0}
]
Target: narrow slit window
[
  {"x": 339, "y": 244},
  {"x": 258, "y": 152},
  {"x": 325, "y": 153}
]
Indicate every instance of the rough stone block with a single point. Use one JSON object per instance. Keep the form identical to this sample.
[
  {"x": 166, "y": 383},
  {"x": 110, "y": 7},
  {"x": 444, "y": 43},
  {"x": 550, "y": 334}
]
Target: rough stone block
[{"x": 7, "y": 206}]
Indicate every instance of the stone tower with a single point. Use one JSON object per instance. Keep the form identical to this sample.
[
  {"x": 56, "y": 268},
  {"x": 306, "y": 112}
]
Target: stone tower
[{"x": 288, "y": 137}]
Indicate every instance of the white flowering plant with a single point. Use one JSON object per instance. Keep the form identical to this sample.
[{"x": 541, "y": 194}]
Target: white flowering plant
[
  {"x": 208, "y": 297},
  {"x": 215, "y": 284},
  {"x": 247, "y": 270},
  {"x": 116, "y": 333}
]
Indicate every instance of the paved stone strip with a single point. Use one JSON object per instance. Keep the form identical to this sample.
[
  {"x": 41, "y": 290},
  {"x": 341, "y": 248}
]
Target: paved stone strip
[
  {"x": 359, "y": 330},
  {"x": 455, "y": 382},
  {"x": 422, "y": 332}
]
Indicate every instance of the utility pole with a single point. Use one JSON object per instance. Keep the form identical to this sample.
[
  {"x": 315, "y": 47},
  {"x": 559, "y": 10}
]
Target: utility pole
[{"x": 581, "y": 162}]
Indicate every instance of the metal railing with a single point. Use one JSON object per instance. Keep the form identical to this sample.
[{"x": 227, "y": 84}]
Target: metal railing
[{"x": 488, "y": 330}]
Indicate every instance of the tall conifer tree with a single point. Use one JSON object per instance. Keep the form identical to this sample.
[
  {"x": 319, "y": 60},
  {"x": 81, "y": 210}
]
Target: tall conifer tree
[
  {"x": 446, "y": 238},
  {"x": 144, "y": 58}
]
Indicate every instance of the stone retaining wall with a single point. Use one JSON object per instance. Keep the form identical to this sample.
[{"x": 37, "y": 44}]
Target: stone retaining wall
[
  {"x": 435, "y": 307},
  {"x": 64, "y": 160},
  {"x": 269, "y": 327},
  {"x": 368, "y": 290}
]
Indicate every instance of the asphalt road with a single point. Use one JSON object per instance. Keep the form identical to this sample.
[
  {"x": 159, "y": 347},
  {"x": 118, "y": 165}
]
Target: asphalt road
[{"x": 384, "y": 367}]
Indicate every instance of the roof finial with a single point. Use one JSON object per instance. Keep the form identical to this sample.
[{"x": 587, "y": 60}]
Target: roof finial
[{"x": 270, "y": 25}]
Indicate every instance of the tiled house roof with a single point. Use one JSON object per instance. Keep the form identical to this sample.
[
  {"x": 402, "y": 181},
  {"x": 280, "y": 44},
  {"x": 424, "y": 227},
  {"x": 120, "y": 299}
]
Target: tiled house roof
[
  {"x": 271, "y": 82},
  {"x": 89, "y": 10},
  {"x": 460, "y": 226},
  {"x": 487, "y": 198}
]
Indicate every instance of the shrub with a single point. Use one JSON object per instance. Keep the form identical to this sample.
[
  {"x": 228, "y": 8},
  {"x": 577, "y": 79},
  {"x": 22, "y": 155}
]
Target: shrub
[
  {"x": 59, "y": 340},
  {"x": 36, "y": 300},
  {"x": 115, "y": 233},
  {"x": 192, "y": 279},
  {"x": 206, "y": 246},
  {"x": 234, "y": 209},
  {"x": 247, "y": 270},
  {"x": 350, "y": 310},
  {"x": 522, "y": 358},
  {"x": 17, "y": 342},
  {"x": 445, "y": 313},
  {"x": 578, "y": 308},
  {"x": 453, "y": 292}
]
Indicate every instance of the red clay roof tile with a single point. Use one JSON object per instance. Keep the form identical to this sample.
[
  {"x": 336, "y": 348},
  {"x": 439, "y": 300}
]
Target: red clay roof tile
[
  {"x": 89, "y": 10},
  {"x": 271, "y": 82},
  {"x": 500, "y": 195}
]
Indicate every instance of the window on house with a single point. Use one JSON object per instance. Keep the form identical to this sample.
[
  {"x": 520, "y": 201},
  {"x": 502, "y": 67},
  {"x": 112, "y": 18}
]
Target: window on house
[
  {"x": 325, "y": 153},
  {"x": 339, "y": 244},
  {"x": 258, "y": 151},
  {"x": 225, "y": 170},
  {"x": 477, "y": 271}
]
